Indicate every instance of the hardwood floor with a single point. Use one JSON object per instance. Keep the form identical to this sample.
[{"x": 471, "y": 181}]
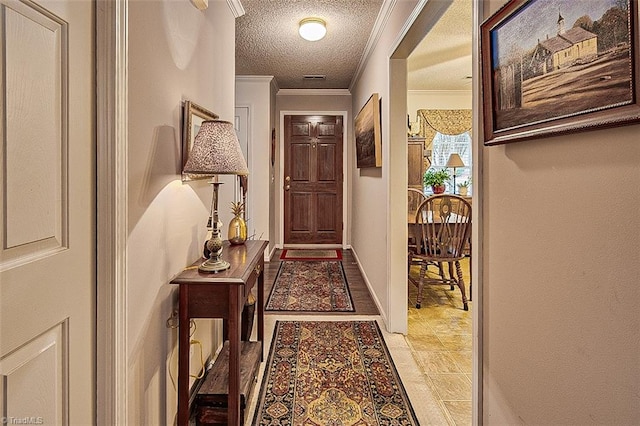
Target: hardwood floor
[{"x": 362, "y": 301}]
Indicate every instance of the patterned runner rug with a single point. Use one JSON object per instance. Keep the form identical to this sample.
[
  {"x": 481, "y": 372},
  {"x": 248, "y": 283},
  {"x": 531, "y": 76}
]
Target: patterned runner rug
[
  {"x": 331, "y": 373},
  {"x": 308, "y": 254},
  {"x": 310, "y": 286}
]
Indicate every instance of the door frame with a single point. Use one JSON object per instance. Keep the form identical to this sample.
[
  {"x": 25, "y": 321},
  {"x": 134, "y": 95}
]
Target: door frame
[
  {"x": 111, "y": 217},
  {"x": 239, "y": 122},
  {"x": 416, "y": 28},
  {"x": 346, "y": 206}
]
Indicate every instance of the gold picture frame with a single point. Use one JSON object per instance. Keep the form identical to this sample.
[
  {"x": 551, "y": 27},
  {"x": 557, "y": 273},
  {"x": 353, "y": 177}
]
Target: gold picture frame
[{"x": 193, "y": 115}]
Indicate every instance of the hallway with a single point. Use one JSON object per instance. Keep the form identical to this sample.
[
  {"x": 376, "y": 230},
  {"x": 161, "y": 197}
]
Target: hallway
[{"x": 426, "y": 401}]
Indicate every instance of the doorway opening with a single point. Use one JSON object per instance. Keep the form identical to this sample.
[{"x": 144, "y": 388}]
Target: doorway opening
[{"x": 453, "y": 330}]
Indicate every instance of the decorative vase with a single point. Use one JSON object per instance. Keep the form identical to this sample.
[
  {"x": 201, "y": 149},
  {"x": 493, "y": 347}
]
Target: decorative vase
[
  {"x": 238, "y": 226},
  {"x": 438, "y": 189},
  {"x": 237, "y": 230},
  {"x": 462, "y": 191}
]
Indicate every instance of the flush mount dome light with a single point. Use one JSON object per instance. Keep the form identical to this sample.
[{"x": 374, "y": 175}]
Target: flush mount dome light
[{"x": 312, "y": 29}]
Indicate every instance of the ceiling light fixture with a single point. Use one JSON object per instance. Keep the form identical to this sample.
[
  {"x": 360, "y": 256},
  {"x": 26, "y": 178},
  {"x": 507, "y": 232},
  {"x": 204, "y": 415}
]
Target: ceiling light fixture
[{"x": 312, "y": 29}]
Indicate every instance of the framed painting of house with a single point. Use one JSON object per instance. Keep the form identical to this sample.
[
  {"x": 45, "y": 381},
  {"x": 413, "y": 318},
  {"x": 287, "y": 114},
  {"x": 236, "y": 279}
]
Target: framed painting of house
[
  {"x": 552, "y": 67},
  {"x": 368, "y": 135}
]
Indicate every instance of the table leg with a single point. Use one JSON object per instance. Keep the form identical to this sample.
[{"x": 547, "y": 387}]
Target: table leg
[
  {"x": 183, "y": 357},
  {"x": 236, "y": 304},
  {"x": 261, "y": 312}
]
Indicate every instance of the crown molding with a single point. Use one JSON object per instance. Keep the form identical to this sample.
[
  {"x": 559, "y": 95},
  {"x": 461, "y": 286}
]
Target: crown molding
[
  {"x": 258, "y": 78},
  {"x": 376, "y": 33},
  {"x": 314, "y": 92},
  {"x": 236, "y": 8},
  {"x": 439, "y": 92},
  {"x": 264, "y": 78}
]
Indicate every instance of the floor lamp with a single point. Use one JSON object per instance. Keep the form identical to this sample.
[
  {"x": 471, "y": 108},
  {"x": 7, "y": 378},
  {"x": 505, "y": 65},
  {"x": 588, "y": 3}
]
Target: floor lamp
[
  {"x": 454, "y": 162},
  {"x": 216, "y": 151}
]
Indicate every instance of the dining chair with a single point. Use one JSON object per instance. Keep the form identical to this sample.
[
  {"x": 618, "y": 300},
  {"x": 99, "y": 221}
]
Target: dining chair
[
  {"x": 444, "y": 223},
  {"x": 414, "y": 198}
]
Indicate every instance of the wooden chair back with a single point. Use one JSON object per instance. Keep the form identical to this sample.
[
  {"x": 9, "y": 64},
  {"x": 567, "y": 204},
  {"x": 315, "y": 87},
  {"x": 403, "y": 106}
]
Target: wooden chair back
[
  {"x": 414, "y": 198},
  {"x": 445, "y": 222}
]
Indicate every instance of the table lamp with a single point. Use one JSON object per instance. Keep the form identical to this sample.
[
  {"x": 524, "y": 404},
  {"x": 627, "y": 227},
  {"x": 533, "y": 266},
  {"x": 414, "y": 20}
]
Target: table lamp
[
  {"x": 216, "y": 151},
  {"x": 454, "y": 162}
]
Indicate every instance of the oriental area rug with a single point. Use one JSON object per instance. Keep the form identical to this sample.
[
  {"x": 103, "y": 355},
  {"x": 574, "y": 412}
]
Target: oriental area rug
[
  {"x": 310, "y": 254},
  {"x": 310, "y": 286},
  {"x": 331, "y": 373}
]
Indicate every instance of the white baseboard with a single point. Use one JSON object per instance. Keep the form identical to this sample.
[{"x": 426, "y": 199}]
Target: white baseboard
[
  {"x": 271, "y": 253},
  {"x": 383, "y": 314}
]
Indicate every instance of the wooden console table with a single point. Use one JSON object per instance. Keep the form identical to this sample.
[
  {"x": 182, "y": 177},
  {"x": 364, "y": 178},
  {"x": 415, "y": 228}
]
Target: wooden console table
[{"x": 221, "y": 295}]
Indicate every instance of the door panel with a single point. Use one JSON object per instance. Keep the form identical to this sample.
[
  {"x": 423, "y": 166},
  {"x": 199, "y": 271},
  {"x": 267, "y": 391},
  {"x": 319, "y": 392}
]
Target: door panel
[
  {"x": 35, "y": 372},
  {"x": 301, "y": 214},
  {"x": 34, "y": 225},
  {"x": 326, "y": 222},
  {"x": 47, "y": 211},
  {"x": 327, "y": 156},
  {"x": 300, "y": 163},
  {"x": 313, "y": 180}
]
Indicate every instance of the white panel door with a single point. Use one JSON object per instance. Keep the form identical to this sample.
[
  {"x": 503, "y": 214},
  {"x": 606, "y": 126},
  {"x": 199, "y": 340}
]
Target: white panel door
[{"x": 47, "y": 212}]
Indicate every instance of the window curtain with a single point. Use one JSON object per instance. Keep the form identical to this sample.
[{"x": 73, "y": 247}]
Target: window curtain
[{"x": 446, "y": 121}]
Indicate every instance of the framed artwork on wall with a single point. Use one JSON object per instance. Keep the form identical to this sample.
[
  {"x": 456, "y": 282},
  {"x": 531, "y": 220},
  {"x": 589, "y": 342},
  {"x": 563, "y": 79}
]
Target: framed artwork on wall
[
  {"x": 192, "y": 117},
  {"x": 368, "y": 135},
  {"x": 550, "y": 67}
]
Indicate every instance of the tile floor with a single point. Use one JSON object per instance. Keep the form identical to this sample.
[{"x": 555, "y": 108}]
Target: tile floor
[{"x": 440, "y": 339}]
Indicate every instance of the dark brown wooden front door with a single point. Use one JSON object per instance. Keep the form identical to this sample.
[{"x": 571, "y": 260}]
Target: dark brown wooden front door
[{"x": 313, "y": 179}]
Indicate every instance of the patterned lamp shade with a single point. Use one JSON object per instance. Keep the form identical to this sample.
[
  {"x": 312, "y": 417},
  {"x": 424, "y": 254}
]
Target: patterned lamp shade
[{"x": 216, "y": 151}]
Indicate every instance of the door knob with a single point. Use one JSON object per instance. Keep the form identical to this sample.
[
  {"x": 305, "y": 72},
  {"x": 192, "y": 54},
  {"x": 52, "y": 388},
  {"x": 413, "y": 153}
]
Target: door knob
[{"x": 287, "y": 187}]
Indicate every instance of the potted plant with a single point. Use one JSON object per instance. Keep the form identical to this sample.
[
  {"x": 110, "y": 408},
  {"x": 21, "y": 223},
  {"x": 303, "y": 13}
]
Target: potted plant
[
  {"x": 436, "y": 179},
  {"x": 463, "y": 187}
]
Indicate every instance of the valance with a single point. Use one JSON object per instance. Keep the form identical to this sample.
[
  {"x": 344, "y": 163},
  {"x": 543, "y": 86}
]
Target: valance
[{"x": 445, "y": 121}]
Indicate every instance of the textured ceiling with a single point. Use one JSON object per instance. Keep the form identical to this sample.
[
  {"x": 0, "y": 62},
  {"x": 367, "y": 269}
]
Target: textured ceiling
[
  {"x": 267, "y": 40},
  {"x": 442, "y": 61},
  {"x": 267, "y": 43}
]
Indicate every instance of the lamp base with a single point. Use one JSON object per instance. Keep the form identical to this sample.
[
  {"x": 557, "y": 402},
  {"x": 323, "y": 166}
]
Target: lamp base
[{"x": 214, "y": 265}]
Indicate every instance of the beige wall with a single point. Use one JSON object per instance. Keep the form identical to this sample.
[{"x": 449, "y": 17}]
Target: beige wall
[
  {"x": 373, "y": 188},
  {"x": 560, "y": 283},
  {"x": 167, "y": 218},
  {"x": 437, "y": 99}
]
